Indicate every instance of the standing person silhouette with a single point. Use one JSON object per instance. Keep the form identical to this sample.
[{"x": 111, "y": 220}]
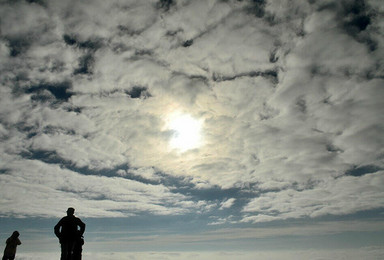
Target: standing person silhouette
[
  {"x": 10, "y": 249},
  {"x": 70, "y": 230}
]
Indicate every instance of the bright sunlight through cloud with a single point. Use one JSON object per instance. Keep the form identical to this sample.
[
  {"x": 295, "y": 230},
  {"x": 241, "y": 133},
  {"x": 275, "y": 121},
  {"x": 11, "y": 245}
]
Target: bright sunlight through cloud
[{"x": 187, "y": 132}]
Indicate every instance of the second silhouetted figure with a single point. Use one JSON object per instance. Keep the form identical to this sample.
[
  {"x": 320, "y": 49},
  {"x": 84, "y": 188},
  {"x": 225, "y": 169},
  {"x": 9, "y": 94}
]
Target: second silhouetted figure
[{"x": 70, "y": 230}]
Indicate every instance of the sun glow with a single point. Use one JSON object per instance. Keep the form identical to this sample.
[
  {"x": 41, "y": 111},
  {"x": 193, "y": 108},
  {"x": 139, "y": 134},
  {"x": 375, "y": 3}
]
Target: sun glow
[{"x": 186, "y": 132}]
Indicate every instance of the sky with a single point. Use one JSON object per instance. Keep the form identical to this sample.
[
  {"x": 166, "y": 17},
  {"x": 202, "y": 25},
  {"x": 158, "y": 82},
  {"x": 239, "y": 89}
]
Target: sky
[{"x": 204, "y": 129}]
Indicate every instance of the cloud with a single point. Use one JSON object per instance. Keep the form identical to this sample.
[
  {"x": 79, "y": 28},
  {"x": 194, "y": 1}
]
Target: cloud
[
  {"x": 93, "y": 196},
  {"x": 289, "y": 94},
  {"x": 342, "y": 196},
  {"x": 228, "y": 203}
]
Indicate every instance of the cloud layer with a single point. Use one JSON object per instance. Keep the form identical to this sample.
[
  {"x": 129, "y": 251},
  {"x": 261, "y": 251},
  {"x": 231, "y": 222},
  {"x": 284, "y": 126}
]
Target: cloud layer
[{"x": 290, "y": 95}]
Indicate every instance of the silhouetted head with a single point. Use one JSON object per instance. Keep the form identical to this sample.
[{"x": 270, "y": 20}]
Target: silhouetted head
[
  {"x": 70, "y": 211},
  {"x": 15, "y": 234}
]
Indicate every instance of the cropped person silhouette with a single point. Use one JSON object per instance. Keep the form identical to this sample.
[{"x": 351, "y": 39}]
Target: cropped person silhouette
[
  {"x": 11, "y": 244},
  {"x": 70, "y": 230}
]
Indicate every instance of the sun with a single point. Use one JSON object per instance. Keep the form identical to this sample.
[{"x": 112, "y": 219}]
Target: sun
[{"x": 186, "y": 132}]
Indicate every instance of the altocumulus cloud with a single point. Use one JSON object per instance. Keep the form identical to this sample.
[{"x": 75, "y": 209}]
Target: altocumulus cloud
[{"x": 289, "y": 93}]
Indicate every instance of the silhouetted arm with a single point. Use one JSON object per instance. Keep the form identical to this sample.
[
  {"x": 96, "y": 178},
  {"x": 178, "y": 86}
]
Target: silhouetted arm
[
  {"x": 82, "y": 227},
  {"x": 57, "y": 229}
]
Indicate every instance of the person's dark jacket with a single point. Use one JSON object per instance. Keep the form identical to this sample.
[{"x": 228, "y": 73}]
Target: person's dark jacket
[{"x": 66, "y": 228}]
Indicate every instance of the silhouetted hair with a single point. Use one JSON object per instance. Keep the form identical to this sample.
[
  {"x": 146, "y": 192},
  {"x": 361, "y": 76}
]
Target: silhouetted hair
[
  {"x": 71, "y": 211},
  {"x": 15, "y": 234}
]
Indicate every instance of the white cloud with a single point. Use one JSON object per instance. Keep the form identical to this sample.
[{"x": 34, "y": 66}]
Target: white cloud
[
  {"x": 342, "y": 196},
  {"x": 290, "y": 102},
  {"x": 147, "y": 173},
  {"x": 32, "y": 188},
  {"x": 228, "y": 203}
]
